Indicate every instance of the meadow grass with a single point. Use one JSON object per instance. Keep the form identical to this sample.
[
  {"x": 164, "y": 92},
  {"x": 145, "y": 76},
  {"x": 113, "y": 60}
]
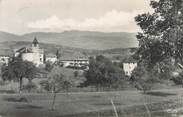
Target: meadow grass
[{"x": 90, "y": 104}]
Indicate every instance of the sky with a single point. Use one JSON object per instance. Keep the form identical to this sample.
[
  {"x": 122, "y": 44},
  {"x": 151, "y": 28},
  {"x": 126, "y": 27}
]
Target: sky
[{"x": 25, "y": 16}]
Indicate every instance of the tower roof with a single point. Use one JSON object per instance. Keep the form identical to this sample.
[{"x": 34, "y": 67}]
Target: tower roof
[
  {"x": 24, "y": 50},
  {"x": 35, "y": 42}
]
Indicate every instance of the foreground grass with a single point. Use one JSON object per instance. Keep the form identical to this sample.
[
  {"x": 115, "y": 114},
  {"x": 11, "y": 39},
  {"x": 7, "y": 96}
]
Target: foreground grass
[{"x": 96, "y": 104}]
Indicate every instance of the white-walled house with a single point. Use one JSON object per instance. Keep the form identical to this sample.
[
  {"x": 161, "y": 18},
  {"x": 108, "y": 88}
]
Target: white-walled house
[
  {"x": 51, "y": 58},
  {"x": 5, "y": 56},
  {"x": 32, "y": 54},
  {"x": 74, "y": 62},
  {"x": 4, "y": 60},
  {"x": 128, "y": 68}
]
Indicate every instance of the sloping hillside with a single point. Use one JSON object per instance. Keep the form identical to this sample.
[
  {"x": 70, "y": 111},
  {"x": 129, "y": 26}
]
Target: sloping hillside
[
  {"x": 5, "y": 36},
  {"x": 49, "y": 48},
  {"x": 78, "y": 39},
  {"x": 8, "y": 47}
]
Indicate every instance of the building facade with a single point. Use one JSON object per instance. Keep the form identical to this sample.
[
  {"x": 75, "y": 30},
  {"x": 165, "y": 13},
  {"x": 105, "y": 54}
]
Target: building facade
[
  {"x": 32, "y": 54},
  {"x": 4, "y": 60},
  {"x": 128, "y": 68},
  {"x": 75, "y": 62},
  {"x": 52, "y": 58}
]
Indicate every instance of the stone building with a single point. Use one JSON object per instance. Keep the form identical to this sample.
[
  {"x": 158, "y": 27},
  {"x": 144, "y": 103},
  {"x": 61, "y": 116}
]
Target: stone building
[{"x": 32, "y": 54}]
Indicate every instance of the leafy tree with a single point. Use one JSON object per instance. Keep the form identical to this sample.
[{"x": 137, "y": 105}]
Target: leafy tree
[
  {"x": 160, "y": 41},
  {"x": 18, "y": 69},
  {"x": 162, "y": 33},
  {"x": 55, "y": 83},
  {"x": 30, "y": 70},
  {"x": 102, "y": 73}
]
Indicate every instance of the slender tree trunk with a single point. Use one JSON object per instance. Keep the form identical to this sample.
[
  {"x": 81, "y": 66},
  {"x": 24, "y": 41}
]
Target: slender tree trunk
[
  {"x": 29, "y": 89},
  {"x": 53, "y": 103},
  {"x": 20, "y": 85}
]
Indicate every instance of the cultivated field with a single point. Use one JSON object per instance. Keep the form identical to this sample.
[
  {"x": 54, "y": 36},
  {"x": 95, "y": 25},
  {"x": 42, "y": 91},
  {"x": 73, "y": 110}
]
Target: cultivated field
[{"x": 97, "y": 104}]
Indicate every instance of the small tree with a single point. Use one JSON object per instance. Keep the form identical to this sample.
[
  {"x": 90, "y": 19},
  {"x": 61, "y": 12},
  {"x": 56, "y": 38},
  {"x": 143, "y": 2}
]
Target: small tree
[
  {"x": 55, "y": 83},
  {"x": 56, "y": 79},
  {"x": 18, "y": 69},
  {"x": 30, "y": 71}
]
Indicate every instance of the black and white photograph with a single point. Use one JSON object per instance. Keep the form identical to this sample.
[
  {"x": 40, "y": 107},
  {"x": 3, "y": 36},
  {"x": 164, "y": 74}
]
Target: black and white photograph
[{"x": 91, "y": 58}]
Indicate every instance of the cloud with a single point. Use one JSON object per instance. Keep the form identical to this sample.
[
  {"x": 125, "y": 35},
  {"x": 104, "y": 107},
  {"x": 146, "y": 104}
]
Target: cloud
[{"x": 111, "y": 21}]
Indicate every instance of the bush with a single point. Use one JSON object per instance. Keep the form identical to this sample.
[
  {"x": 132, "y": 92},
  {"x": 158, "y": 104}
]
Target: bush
[
  {"x": 143, "y": 79},
  {"x": 144, "y": 86},
  {"x": 29, "y": 87},
  {"x": 178, "y": 80},
  {"x": 45, "y": 85},
  {"x": 76, "y": 73}
]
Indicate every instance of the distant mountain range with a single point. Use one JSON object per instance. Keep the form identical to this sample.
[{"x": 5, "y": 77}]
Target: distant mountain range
[{"x": 76, "y": 39}]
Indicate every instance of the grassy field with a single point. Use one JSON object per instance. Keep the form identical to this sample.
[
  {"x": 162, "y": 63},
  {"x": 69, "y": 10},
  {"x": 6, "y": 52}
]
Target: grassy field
[{"x": 96, "y": 104}]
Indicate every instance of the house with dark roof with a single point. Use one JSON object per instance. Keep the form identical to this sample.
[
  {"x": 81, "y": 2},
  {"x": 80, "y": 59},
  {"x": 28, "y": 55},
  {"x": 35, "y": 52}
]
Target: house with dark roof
[
  {"x": 74, "y": 60},
  {"x": 52, "y": 58}
]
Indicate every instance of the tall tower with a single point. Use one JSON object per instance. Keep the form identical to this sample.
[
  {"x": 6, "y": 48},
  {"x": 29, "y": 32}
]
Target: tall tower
[
  {"x": 37, "y": 53},
  {"x": 35, "y": 45}
]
